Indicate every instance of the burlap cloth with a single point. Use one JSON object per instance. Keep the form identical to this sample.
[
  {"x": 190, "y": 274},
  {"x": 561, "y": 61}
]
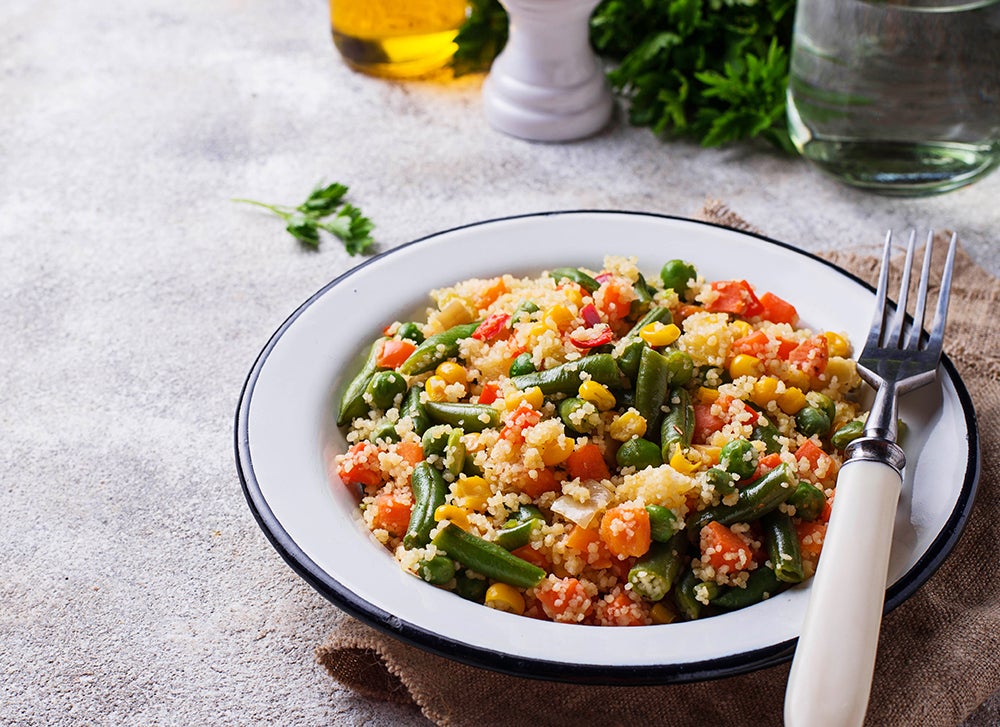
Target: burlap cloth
[{"x": 939, "y": 652}]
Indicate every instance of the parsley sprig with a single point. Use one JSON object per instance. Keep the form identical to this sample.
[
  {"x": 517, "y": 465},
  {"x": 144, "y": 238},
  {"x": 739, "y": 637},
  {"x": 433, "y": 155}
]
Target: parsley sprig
[
  {"x": 325, "y": 209},
  {"x": 712, "y": 70}
]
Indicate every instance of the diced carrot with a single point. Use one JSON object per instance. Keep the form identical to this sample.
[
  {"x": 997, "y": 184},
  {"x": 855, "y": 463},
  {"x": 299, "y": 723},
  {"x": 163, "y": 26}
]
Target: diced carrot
[
  {"x": 754, "y": 344},
  {"x": 412, "y": 452},
  {"x": 392, "y": 513},
  {"x": 824, "y": 516},
  {"x": 517, "y": 421},
  {"x": 735, "y": 297},
  {"x": 822, "y": 467},
  {"x": 535, "y": 557},
  {"x": 393, "y": 352},
  {"x": 811, "y": 356},
  {"x": 360, "y": 465},
  {"x": 785, "y": 348},
  {"x": 811, "y": 536},
  {"x": 494, "y": 325},
  {"x": 488, "y": 295},
  {"x": 581, "y": 539},
  {"x": 535, "y": 487},
  {"x": 777, "y": 310},
  {"x": 809, "y": 452},
  {"x": 685, "y": 310},
  {"x": 767, "y": 463},
  {"x": 723, "y": 549},
  {"x": 619, "y": 609},
  {"x": 625, "y": 530},
  {"x": 705, "y": 423},
  {"x": 564, "y": 599},
  {"x": 587, "y": 463},
  {"x": 614, "y": 298},
  {"x": 489, "y": 393}
]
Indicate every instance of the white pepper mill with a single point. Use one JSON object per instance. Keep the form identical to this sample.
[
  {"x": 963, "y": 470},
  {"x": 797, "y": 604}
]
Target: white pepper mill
[{"x": 547, "y": 84}]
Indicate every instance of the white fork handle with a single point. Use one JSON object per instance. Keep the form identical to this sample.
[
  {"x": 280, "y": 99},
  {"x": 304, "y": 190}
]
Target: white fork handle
[{"x": 834, "y": 660}]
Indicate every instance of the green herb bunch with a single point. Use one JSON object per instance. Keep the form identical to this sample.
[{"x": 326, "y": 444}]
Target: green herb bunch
[
  {"x": 324, "y": 209},
  {"x": 713, "y": 70}
]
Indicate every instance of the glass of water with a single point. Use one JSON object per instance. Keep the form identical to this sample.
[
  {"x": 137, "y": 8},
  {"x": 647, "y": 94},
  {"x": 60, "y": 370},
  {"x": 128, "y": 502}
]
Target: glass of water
[{"x": 897, "y": 96}]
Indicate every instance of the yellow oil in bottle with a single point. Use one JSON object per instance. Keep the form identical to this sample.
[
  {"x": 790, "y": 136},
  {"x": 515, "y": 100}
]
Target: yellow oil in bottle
[{"x": 396, "y": 38}]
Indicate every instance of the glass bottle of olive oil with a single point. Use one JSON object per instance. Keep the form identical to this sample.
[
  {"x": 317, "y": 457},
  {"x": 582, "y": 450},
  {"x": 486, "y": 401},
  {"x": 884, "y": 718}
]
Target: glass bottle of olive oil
[{"x": 396, "y": 38}]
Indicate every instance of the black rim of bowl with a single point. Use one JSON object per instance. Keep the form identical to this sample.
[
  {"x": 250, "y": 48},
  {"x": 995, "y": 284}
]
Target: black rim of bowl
[{"x": 499, "y": 661}]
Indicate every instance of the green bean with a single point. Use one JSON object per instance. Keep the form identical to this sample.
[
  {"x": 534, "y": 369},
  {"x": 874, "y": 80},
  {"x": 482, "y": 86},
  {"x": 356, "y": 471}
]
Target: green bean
[
  {"x": 847, "y": 433},
  {"x": 468, "y": 417},
  {"x": 515, "y": 534},
  {"x": 437, "y": 348},
  {"x": 471, "y": 588},
  {"x": 812, "y": 420},
  {"x": 411, "y": 332},
  {"x": 414, "y": 408},
  {"x": 644, "y": 296},
  {"x": 577, "y": 424},
  {"x": 577, "y": 276},
  {"x": 521, "y": 365},
  {"x": 678, "y": 424},
  {"x": 721, "y": 480},
  {"x": 435, "y": 439},
  {"x": 823, "y": 402},
  {"x": 656, "y": 314},
  {"x": 386, "y": 432},
  {"x": 680, "y": 366},
  {"x": 783, "y": 546},
  {"x": 566, "y": 378},
  {"x": 651, "y": 386},
  {"x": 429, "y": 490},
  {"x": 630, "y": 356},
  {"x": 437, "y": 570},
  {"x": 662, "y": 523},
  {"x": 762, "y": 584},
  {"x": 638, "y": 453},
  {"x": 525, "y": 513},
  {"x": 769, "y": 435},
  {"x": 676, "y": 274},
  {"x": 755, "y": 500},
  {"x": 654, "y": 574},
  {"x": 352, "y": 403},
  {"x": 454, "y": 452},
  {"x": 808, "y": 500},
  {"x": 384, "y": 387},
  {"x": 524, "y": 308},
  {"x": 487, "y": 558},
  {"x": 739, "y": 458},
  {"x": 685, "y": 595}
]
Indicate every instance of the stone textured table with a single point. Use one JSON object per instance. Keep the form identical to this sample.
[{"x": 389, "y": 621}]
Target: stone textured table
[{"x": 135, "y": 587}]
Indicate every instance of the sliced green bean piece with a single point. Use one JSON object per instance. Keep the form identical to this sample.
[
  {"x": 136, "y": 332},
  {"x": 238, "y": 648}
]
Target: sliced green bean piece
[
  {"x": 577, "y": 276},
  {"x": 654, "y": 574},
  {"x": 663, "y": 523},
  {"x": 524, "y": 513},
  {"x": 769, "y": 435},
  {"x": 437, "y": 570},
  {"x": 630, "y": 357},
  {"x": 678, "y": 423},
  {"x": 515, "y": 534},
  {"x": 435, "y": 439},
  {"x": 414, "y": 408},
  {"x": 812, "y": 420},
  {"x": 468, "y": 417},
  {"x": 471, "y": 588},
  {"x": 429, "y": 490},
  {"x": 454, "y": 452},
  {"x": 823, "y": 402},
  {"x": 847, "y": 433},
  {"x": 386, "y": 432},
  {"x": 756, "y": 499},
  {"x": 568, "y": 412},
  {"x": 566, "y": 378},
  {"x": 651, "y": 387},
  {"x": 524, "y": 309},
  {"x": 808, "y": 500},
  {"x": 437, "y": 348},
  {"x": 487, "y": 558},
  {"x": 680, "y": 366},
  {"x": 722, "y": 481},
  {"x": 762, "y": 584},
  {"x": 521, "y": 365},
  {"x": 656, "y": 314},
  {"x": 352, "y": 403},
  {"x": 644, "y": 296},
  {"x": 384, "y": 387},
  {"x": 783, "y": 546},
  {"x": 638, "y": 453},
  {"x": 686, "y": 595}
]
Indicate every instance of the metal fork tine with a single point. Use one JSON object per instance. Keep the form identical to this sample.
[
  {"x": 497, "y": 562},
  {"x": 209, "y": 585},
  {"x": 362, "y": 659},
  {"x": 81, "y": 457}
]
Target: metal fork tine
[
  {"x": 944, "y": 294},
  {"x": 895, "y": 334},
  {"x": 877, "y": 329},
  {"x": 913, "y": 339}
]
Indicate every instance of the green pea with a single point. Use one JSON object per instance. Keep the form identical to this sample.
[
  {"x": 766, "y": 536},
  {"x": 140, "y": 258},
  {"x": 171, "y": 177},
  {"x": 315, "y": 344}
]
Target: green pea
[
  {"x": 384, "y": 387},
  {"x": 522, "y": 365},
  {"x": 662, "y": 523},
  {"x": 569, "y": 412},
  {"x": 523, "y": 311},
  {"x": 847, "y": 433},
  {"x": 437, "y": 570},
  {"x": 676, "y": 274},
  {"x": 739, "y": 458},
  {"x": 639, "y": 453},
  {"x": 410, "y": 331},
  {"x": 811, "y": 420},
  {"x": 823, "y": 402}
]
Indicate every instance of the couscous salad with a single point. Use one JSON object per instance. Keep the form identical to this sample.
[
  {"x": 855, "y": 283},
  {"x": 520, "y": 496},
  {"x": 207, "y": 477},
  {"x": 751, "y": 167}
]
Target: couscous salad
[{"x": 599, "y": 447}]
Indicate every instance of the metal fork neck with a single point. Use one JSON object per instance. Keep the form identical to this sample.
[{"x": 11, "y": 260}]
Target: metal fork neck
[{"x": 877, "y": 449}]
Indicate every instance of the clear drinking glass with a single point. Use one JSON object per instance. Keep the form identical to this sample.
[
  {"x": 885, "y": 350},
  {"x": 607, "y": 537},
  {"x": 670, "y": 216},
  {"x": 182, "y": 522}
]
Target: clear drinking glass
[{"x": 897, "y": 96}]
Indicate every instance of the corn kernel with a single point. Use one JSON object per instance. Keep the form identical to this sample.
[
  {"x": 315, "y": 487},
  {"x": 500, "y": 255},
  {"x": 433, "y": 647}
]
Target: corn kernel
[
  {"x": 452, "y": 372},
  {"x": 597, "y": 394},
  {"x": 504, "y": 598},
  {"x": 456, "y": 515},
  {"x": 709, "y": 454},
  {"x": 573, "y": 294},
  {"x": 843, "y": 368},
  {"x": 435, "y": 388},
  {"x": 557, "y": 451},
  {"x": 559, "y": 315},
  {"x": 533, "y": 397},
  {"x": 791, "y": 400},
  {"x": 536, "y": 331},
  {"x": 765, "y": 390},
  {"x": 744, "y": 365},
  {"x": 659, "y": 334},
  {"x": 798, "y": 378},
  {"x": 681, "y": 463},
  {"x": 629, "y": 425},
  {"x": 472, "y": 492},
  {"x": 661, "y": 613},
  {"x": 455, "y": 312},
  {"x": 837, "y": 344},
  {"x": 706, "y": 395},
  {"x": 741, "y": 328}
]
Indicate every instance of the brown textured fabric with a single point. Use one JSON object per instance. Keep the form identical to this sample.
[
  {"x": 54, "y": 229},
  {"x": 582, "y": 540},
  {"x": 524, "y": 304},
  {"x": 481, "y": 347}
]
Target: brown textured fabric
[{"x": 939, "y": 652}]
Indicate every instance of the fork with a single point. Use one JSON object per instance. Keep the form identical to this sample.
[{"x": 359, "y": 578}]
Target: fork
[{"x": 834, "y": 660}]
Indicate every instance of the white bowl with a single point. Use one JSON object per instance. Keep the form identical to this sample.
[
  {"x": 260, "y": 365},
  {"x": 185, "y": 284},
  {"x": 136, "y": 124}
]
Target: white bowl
[{"x": 285, "y": 437}]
